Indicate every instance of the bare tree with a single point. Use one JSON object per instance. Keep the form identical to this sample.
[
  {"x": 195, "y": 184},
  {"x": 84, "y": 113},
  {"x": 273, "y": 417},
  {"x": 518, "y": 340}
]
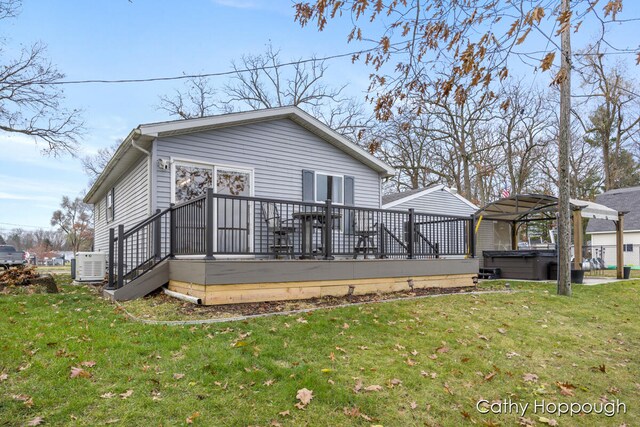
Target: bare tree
[
  {"x": 196, "y": 100},
  {"x": 613, "y": 124},
  {"x": 75, "y": 220},
  {"x": 30, "y": 101},
  {"x": 93, "y": 165},
  {"x": 264, "y": 81},
  {"x": 523, "y": 134}
]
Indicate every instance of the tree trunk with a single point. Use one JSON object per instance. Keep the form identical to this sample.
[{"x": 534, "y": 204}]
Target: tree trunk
[{"x": 564, "y": 211}]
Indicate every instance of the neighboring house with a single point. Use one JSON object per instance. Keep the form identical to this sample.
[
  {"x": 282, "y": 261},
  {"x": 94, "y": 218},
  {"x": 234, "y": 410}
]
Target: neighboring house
[
  {"x": 439, "y": 199},
  {"x": 280, "y": 153},
  {"x": 603, "y": 235}
]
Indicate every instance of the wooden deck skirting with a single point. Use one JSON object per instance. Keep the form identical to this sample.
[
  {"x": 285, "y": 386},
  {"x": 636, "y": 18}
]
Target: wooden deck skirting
[
  {"x": 260, "y": 292},
  {"x": 231, "y": 282}
]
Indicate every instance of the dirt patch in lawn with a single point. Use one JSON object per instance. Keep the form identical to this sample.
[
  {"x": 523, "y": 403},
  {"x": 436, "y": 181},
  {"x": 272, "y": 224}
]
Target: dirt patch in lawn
[{"x": 159, "y": 306}]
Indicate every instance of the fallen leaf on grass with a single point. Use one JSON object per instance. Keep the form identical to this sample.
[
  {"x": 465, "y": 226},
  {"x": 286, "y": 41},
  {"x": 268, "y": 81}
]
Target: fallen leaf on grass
[
  {"x": 126, "y": 394},
  {"x": 36, "y": 421},
  {"x": 410, "y": 362},
  {"x": 355, "y": 413},
  {"x": 447, "y": 389},
  {"x": 502, "y": 330},
  {"x": 4, "y": 377},
  {"x": 548, "y": 421},
  {"x": 413, "y": 405},
  {"x": 395, "y": 382},
  {"x": 525, "y": 422},
  {"x": 178, "y": 376},
  {"x": 284, "y": 413},
  {"x": 304, "y": 396},
  {"x": 268, "y": 383},
  {"x": 512, "y": 354},
  {"x": 490, "y": 376},
  {"x": 192, "y": 417},
  {"x": 374, "y": 387},
  {"x": 88, "y": 364},
  {"x": 442, "y": 349},
  {"x": 301, "y": 320},
  {"x": 79, "y": 372},
  {"x": 108, "y": 395},
  {"x": 530, "y": 378},
  {"x": 566, "y": 389}
]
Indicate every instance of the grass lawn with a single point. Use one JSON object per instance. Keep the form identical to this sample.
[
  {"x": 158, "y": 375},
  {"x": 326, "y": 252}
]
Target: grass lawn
[{"x": 425, "y": 362}]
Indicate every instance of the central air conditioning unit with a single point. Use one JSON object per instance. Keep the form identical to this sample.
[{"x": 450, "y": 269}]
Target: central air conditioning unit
[{"x": 90, "y": 266}]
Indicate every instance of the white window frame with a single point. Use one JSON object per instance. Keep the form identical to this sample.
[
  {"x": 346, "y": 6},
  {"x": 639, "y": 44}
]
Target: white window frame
[
  {"x": 111, "y": 194},
  {"x": 215, "y": 167},
  {"x": 315, "y": 186}
]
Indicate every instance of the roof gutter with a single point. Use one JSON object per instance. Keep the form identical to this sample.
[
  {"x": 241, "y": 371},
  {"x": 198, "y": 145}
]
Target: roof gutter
[{"x": 134, "y": 138}]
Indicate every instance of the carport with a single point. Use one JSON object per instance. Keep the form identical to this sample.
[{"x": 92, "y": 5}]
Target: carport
[{"x": 524, "y": 208}]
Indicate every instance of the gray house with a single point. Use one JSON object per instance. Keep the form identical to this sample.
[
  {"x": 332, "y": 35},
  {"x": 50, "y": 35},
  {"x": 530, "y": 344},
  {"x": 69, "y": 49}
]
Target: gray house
[
  {"x": 236, "y": 191},
  {"x": 439, "y": 199}
]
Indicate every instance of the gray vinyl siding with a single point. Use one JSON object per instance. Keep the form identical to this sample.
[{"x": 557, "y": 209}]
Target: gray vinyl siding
[
  {"x": 131, "y": 204},
  {"x": 439, "y": 202},
  {"x": 276, "y": 150},
  {"x": 450, "y": 238}
]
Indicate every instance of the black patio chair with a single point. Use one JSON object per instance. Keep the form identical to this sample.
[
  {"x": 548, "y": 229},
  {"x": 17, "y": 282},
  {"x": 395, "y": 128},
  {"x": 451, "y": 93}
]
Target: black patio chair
[
  {"x": 365, "y": 228},
  {"x": 281, "y": 229}
]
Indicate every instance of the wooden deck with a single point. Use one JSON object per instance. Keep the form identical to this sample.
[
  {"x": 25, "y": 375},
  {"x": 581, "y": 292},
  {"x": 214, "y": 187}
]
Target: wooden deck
[{"x": 239, "y": 281}]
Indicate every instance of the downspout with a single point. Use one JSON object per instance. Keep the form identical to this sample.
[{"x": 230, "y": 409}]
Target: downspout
[
  {"x": 136, "y": 135},
  {"x": 183, "y": 297}
]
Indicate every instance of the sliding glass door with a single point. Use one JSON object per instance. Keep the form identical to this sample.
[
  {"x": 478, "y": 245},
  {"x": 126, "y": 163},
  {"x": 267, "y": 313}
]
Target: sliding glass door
[{"x": 233, "y": 216}]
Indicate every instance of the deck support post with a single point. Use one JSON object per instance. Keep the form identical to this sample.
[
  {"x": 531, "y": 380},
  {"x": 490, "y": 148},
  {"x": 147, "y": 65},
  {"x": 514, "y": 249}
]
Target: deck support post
[
  {"x": 514, "y": 236},
  {"x": 577, "y": 240},
  {"x": 472, "y": 236},
  {"x": 157, "y": 237},
  {"x": 120, "y": 256},
  {"x": 172, "y": 232},
  {"x": 619, "y": 246},
  {"x": 208, "y": 228},
  {"x": 412, "y": 234},
  {"x": 328, "y": 228},
  {"x": 111, "y": 278}
]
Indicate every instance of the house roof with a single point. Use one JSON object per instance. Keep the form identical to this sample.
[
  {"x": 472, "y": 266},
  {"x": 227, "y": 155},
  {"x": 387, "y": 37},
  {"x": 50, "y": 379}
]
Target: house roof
[
  {"x": 541, "y": 206},
  {"x": 394, "y": 199},
  {"x": 624, "y": 200},
  {"x": 140, "y": 139}
]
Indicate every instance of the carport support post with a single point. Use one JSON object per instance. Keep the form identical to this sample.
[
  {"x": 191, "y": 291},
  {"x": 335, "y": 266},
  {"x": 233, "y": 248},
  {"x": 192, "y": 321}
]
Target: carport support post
[
  {"x": 514, "y": 236},
  {"x": 577, "y": 240},
  {"x": 619, "y": 245}
]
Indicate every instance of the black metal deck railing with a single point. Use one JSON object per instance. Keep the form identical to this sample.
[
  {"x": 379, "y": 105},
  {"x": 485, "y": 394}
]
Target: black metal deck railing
[{"x": 218, "y": 225}]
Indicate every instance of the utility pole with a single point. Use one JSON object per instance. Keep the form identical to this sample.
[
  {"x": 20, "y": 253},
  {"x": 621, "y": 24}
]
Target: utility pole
[{"x": 564, "y": 211}]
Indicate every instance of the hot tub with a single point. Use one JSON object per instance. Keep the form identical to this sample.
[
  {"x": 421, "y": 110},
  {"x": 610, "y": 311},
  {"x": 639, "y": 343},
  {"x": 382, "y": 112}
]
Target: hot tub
[{"x": 530, "y": 264}]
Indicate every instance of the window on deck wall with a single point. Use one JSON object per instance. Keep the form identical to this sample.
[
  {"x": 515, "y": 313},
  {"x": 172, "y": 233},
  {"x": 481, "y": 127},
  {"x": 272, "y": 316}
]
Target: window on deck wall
[
  {"x": 191, "y": 181},
  {"x": 329, "y": 187}
]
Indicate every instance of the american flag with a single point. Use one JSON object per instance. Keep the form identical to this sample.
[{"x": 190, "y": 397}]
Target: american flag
[{"x": 505, "y": 193}]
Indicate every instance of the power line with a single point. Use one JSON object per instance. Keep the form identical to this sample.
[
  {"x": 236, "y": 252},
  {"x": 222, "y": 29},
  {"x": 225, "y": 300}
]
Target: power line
[
  {"x": 22, "y": 225},
  {"x": 218, "y": 74},
  {"x": 267, "y": 67}
]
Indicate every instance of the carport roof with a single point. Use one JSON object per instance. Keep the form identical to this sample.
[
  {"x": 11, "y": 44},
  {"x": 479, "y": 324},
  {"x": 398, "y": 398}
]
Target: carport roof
[{"x": 521, "y": 207}]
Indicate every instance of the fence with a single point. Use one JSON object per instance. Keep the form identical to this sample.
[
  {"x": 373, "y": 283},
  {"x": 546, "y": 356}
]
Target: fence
[{"x": 218, "y": 225}]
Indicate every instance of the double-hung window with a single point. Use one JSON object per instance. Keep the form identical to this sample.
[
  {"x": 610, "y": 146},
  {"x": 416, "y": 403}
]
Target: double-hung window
[
  {"x": 329, "y": 187},
  {"x": 110, "y": 205}
]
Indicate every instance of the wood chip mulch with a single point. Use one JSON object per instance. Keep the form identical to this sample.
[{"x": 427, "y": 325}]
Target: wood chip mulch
[{"x": 247, "y": 309}]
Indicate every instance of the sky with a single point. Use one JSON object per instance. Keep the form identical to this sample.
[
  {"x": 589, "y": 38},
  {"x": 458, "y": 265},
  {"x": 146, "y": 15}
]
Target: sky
[{"x": 140, "y": 39}]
